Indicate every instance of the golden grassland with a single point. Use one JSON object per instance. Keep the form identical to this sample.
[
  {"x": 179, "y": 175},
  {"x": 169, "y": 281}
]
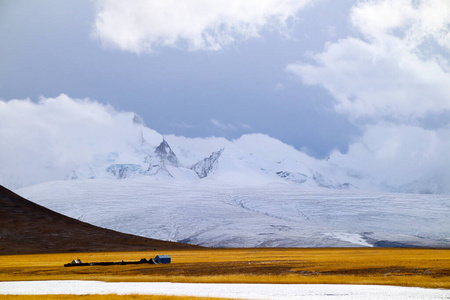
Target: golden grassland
[{"x": 428, "y": 268}]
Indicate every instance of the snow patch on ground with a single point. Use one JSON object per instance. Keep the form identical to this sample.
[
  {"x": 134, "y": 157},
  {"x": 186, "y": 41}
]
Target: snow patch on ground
[
  {"x": 235, "y": 291},
  {"x": 353, "y": 238}
]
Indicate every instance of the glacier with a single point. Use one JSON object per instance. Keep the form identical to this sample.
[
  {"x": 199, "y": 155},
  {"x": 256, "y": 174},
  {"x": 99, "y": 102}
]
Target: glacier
[{"x": 212, "y": 213}]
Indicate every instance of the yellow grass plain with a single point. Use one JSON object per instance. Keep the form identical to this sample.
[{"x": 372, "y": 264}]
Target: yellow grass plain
[{"x": 428, "y": 268}]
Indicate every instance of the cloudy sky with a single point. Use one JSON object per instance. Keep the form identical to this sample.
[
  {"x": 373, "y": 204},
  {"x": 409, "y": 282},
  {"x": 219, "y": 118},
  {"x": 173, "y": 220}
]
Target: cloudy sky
[{"x": 367, "y": 82}]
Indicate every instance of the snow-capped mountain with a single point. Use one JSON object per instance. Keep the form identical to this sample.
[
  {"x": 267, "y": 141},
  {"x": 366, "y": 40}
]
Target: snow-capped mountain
[
  {"x": 120, "y": 146},
  {"x": 253, "y": 158}
]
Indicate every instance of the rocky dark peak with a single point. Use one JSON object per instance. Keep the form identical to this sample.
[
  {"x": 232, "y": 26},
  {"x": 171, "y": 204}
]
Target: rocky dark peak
[
  {"x": 166, "y": 154},
  {"x": 208, "y": 165}
]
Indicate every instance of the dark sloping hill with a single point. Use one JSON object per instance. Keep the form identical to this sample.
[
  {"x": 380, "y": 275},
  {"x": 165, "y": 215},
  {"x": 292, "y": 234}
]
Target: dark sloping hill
[{"x": 26, "y": 227}]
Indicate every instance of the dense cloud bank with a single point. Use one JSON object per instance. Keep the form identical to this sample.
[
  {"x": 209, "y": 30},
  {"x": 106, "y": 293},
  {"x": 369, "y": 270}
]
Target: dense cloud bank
[
  {"x": 142, "y": 26},
  {"x": 47, "y": 140},
  {"x": 392, "y": 79},
  {"x": 396, "y": 68},
  {"x": 401, "y": 157}
]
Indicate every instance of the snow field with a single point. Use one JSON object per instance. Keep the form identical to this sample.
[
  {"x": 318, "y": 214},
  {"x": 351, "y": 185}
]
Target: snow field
[
  {"x": 214, "y": 214},
  {"x": 235, "y": 291}
]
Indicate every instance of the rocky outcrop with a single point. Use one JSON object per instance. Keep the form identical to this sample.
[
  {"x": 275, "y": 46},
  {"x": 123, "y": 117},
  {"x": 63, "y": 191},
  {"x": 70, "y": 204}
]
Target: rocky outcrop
[
  {"x": 292, "y": 176},
  {"x": 156, "y": 166},
  {"x": 162, "y": 157},
  {"x": 321, "y": 181},
  {"x": 208, "y": 165},
  {"x": 121, "y": 171}
]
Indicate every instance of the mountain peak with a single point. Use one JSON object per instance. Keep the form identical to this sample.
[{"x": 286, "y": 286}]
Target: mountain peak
[
  {"x": 165, "y": 153},
  {"x": 137, "y": 120}
]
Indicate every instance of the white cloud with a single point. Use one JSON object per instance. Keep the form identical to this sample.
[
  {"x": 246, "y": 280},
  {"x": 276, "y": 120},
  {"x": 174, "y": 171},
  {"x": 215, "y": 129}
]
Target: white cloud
[
  {"x": 397, "y": 155},
  {"x": 377, "y": 18},
  {"x": 228, "y": 126},
  {"x": 378, "y": 82},
  {"x": 221, "y": 125},
  {"x": 390, "y": 79},
  {"x": 47, "y": 140},
  {"x": 245, "y": 126},
  {"x": 413, "y": 22},
  {"x": 182, "y": 125},
  {"x": 142, "y": 25},
  {"x": 399, "y": 70}
]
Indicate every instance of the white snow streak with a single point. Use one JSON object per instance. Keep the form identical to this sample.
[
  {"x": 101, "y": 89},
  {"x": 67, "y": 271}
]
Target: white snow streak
[{"x": 236, "y": 291}]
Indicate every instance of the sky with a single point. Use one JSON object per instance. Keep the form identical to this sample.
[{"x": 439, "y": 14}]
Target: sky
[{"x": 366, "y": 82}]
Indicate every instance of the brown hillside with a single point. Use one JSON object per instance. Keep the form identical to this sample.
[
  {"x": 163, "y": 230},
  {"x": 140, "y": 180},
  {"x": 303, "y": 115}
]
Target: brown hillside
[{"x": 26, "y": 228}]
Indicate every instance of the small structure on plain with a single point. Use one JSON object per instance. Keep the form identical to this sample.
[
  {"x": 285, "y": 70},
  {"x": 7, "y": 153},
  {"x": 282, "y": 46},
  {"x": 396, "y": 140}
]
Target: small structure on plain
[
  {"x": 159, "y": 259},
  {"x": 163, "y": 259}
]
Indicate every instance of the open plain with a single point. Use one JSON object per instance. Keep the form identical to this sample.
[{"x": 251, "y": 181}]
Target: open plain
[{"x": 428, "y": 268}]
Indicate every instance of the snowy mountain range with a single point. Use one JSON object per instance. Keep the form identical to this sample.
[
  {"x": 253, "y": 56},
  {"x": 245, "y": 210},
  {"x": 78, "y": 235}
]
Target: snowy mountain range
[
  {"x": 254, "y": 158},
  {"x": 121, "y": 146}
]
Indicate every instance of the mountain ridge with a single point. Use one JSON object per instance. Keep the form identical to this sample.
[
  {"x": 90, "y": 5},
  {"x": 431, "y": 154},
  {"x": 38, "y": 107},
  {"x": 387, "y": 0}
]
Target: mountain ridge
[{"x": 154, "y": 156}]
